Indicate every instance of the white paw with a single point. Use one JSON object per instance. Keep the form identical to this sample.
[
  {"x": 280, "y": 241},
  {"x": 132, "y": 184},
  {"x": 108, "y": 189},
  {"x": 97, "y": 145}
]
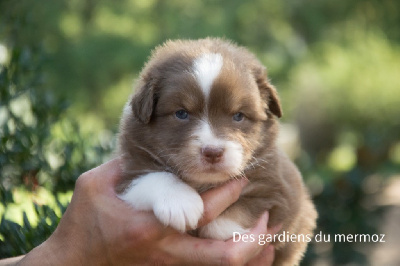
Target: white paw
[
  {"x": 173, "y": 202},
  {"x": 180, "y": 207},
  {"x": 221, "y": 229}
]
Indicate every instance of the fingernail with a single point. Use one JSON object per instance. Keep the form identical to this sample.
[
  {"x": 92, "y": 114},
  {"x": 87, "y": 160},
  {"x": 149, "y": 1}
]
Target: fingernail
[
  {"x": 275, "y": 229},
  {"x": 270, "y": 248},
  {"x": 266, "y": 217}
]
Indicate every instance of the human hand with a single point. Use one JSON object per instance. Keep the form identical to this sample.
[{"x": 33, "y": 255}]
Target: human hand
[{"x": 98, "y": 228}]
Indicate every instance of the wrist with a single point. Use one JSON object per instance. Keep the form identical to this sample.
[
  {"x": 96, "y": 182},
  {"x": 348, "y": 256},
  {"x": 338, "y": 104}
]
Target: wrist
[
  {"x": 40, "y": 255},
  {"x": 56, "y": 250}
]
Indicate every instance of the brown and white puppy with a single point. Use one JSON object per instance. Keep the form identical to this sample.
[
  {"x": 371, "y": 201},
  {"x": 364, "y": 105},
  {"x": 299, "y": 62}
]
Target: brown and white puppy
[{"x": 204, "y": 113}]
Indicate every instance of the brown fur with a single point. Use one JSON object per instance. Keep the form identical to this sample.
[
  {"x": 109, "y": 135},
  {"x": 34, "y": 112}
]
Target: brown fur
[{"x": 152, "y": 140}]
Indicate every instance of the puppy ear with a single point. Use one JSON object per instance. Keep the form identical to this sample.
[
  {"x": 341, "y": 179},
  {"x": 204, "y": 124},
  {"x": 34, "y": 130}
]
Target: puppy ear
[
  {"x": 268, "y": 92},
  {"x": 143, "y": 101}
]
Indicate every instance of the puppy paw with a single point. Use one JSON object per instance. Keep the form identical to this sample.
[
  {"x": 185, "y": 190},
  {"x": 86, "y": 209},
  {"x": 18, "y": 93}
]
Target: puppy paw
[
  {"x": 173, "y": 202},
  {"x": 222, "y": 229},
  {"x": 180, "y": 207}
]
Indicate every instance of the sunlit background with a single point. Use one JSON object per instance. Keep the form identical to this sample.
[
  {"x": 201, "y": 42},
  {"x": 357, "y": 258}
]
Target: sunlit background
[{"x": 68, "y": 67}]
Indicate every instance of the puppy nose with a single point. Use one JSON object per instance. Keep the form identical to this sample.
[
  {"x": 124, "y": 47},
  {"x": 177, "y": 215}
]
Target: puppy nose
[{"x": 212, "y": 154}]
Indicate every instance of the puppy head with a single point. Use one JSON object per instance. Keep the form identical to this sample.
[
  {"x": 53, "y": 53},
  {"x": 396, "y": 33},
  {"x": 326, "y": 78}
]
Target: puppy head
[{"x": 202, "y": 107}]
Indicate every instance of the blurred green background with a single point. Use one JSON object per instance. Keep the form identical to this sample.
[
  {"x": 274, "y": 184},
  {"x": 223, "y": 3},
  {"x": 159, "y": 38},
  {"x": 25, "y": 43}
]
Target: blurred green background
[{"x": 67, "y": 68}]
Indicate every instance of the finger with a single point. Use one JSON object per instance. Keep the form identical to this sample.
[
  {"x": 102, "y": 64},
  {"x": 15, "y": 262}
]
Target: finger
[
  {"x": 110, "y": 171},
  {"x": 275, "y": 229},
  {"x": 266, "y": 257},
  {"x": 104, "y": 177},
  {"x": 111, "y": 167},
  {"x": 216, "y": 200},
  {"x": 248, "y": 250},
  {"x": 192, "y": 250}
]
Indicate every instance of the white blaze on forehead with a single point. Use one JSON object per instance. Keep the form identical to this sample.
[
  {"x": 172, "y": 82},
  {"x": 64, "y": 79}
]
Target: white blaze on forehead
[
  {"x": 206, "y": 68},
  {"x": 206, "y": 135}
]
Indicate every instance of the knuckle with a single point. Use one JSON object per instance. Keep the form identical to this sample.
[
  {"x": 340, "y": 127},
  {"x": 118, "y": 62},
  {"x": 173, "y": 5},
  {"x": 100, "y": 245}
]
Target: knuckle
[
  {"x": 133, "y": 238},
  {"x": 207, "y": 215},
  {"x": 81, "y": 181},
  {"x": 84, "y": 181},
  {"x": 143, "y": 234},
  {"x": 160, "y": 259},
  {"x": 232, "y": 257}
]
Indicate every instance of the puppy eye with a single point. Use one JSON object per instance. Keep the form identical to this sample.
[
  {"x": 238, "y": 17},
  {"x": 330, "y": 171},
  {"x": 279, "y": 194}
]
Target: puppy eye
[
  {"x": 238, "y": 117},
  {"x": 181, "y": 114}
]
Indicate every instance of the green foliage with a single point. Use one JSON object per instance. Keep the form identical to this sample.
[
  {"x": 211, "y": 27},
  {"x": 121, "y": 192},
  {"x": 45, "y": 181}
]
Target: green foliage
[
  {"x": 38, "y": 140},
  {"x": 335, "y": 64},
  {"x": 40, "y": 146},
  {"x": 20, "y": 239}
]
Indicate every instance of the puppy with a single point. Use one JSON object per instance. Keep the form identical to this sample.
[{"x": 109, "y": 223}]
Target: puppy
[{"x": 204, "y": 113}]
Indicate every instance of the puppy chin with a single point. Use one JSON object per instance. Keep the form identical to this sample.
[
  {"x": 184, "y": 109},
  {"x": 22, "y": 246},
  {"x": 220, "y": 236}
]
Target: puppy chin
[{"x": 207, "y": 178}]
